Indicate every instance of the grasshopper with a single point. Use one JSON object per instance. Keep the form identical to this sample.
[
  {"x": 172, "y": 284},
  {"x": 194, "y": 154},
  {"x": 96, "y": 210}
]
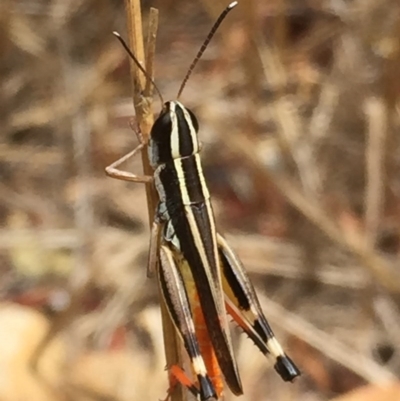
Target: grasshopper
[{"x": 200, "y": 276}]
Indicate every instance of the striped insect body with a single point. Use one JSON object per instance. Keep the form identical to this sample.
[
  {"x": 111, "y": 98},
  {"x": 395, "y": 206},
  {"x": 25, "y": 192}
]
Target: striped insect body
[
  {"x": 200, "y": 276},
  {"x": 173, "y": 135}
]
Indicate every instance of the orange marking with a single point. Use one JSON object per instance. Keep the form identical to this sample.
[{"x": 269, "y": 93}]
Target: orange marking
[
  {"x": 236, "y": 317},
  {"x": 177, "y": 375},
  {"x": 206, "y": 348}
]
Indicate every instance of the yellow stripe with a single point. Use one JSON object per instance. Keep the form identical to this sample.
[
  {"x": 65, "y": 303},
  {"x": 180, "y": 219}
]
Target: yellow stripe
[
  {"x": 182, "y": 185},
  {"x": 215, "y": 286},
  {"x": 180, "y": 172},
  {"x": 204, "y": 187},
  {"x": 193, "y": 133},
  {"x": 174, "y": 141}
]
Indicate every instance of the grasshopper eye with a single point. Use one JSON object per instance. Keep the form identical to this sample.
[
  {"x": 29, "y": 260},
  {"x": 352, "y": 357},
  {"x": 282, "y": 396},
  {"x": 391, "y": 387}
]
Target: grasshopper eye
[
  {"x": 194, "y": 120},
  {"x": 162, "y": 127}
]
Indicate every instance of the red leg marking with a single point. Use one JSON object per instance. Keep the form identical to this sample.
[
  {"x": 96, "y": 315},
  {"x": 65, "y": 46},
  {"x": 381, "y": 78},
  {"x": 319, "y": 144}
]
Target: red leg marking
[{"x": 177, "y": 375}]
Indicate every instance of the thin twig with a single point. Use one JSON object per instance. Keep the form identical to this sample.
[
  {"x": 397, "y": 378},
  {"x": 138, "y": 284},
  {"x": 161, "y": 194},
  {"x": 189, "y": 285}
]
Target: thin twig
[
  {"x": 374, "y": 197},
  {"x": 151, "y": 48},
  {"x": 142, "y": 103}
]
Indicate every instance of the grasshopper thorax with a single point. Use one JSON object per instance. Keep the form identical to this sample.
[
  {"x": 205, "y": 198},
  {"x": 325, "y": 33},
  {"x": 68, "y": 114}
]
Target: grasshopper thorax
[{"x": 173, "y": 135}]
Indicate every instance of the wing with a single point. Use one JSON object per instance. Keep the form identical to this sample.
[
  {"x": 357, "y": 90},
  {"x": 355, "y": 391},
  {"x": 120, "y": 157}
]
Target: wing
[{"x": 195, "y": 231}]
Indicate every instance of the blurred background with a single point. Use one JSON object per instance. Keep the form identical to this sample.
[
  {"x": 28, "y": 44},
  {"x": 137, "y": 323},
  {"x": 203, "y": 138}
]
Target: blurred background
[{"x": 299, "y": 118}]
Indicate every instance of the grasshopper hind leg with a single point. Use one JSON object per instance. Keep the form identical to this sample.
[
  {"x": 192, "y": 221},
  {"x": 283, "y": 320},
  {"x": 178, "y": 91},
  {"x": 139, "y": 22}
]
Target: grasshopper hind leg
[
  {"x": 176, "y": 299},
  {"x": 286, "y": 368},
  {"x": 243, "y": 305}
]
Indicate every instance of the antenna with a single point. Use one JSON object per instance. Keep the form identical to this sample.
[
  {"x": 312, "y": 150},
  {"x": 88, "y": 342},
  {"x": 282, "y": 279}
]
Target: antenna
[
  {"x": 205, "y": 44},
  {"x": 132, "y": 56}
]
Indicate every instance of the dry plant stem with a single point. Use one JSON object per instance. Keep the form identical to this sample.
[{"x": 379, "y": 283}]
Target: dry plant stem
[
  {"x": 144, "y": 116},
  {"x": 151, "y": 48},
  {"x": 141, "y": 100},
  {"x": 375, "y": 115},
  {"x": 386, "y": 310},
  {"x": 323, "y": 113},
  {"x": 375, "y": 153}
]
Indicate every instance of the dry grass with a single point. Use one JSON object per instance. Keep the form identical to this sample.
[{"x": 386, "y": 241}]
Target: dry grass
[{"x": 299, "y": 116}]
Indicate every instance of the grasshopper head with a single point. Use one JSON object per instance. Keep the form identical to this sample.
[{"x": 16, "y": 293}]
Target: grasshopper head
[{"x": 173, "y": 135}]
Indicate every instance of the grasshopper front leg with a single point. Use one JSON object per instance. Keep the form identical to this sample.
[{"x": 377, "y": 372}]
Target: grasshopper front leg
[
  {"x": 243, "y": 305},
  {"x": 113, "y": 171}
]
